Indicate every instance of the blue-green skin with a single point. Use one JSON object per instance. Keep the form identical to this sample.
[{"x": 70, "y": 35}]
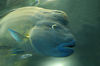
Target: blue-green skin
[{"x": 45, "y": 38}]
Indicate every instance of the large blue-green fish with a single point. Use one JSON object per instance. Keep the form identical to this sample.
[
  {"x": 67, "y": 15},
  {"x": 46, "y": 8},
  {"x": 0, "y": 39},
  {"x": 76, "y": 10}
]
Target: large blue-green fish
[{"x": 37, "y": 30}]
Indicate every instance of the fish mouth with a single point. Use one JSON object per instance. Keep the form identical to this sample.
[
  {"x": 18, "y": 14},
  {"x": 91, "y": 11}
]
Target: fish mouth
[
  {"x": 66, "y": 48},
  {"x": 70, "y": 44},
  {"x": 67, "y": 45}
]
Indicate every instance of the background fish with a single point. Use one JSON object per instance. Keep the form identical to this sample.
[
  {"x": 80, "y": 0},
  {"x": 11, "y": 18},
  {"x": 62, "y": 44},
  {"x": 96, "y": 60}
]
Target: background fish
[{"x": 11, "y": 5}]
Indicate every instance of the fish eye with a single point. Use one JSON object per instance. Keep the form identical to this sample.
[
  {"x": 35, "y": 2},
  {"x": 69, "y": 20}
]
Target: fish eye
[{"x": 54, "y": 26}]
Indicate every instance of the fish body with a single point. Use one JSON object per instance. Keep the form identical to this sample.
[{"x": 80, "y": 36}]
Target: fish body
[{"x": 39, "y": 30}]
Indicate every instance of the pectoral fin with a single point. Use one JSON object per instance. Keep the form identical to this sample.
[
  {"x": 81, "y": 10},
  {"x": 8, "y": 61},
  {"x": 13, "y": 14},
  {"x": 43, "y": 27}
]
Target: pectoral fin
[
  {"x": 17, "y": 36},
  {"x": 26, "y": 44}
]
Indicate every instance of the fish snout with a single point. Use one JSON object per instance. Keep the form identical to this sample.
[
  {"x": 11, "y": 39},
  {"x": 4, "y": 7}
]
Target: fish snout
[
  {"x": 66, "y": 48},
  {"x": 69, "y": 44}
]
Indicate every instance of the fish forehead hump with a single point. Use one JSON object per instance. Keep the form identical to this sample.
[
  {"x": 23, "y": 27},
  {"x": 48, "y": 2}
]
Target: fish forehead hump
[
  {"x": 29, "y": 16},
  {"x": 35, "y": 14}
]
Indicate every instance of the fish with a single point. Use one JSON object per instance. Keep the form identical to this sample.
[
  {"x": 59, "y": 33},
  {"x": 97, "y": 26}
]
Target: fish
[
  {"x": 16, "y": 51},
  {"x": 24, "y": 56},
  {"x": 35, "y": 3},
  {"x": 45, "y": 32}
]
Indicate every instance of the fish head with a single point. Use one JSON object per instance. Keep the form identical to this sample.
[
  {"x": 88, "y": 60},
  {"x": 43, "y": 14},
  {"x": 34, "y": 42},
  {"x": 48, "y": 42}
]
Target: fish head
[{"x": 51, "y": 38}]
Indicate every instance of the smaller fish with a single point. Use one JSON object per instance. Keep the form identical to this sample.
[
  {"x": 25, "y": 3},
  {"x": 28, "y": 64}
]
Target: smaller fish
[
  {"x": 36, "y": 2},
  {"x": 26, "y": 56},
  {"x": 16, "y": 51}
]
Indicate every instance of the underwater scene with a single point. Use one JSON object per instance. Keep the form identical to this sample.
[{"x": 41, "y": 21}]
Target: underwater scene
[{"x": 49, "y": 33}]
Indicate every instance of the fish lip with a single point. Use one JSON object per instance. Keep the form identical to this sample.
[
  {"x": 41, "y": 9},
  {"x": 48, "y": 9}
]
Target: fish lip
[{"x": 71, "y": 44}]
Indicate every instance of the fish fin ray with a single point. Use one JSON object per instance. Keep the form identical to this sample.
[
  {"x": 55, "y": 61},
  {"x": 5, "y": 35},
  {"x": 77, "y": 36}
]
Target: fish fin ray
[{"x": 17, "y": 36}]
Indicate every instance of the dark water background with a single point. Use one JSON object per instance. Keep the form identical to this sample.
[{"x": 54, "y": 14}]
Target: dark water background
[{"x": 84, "y": 18}]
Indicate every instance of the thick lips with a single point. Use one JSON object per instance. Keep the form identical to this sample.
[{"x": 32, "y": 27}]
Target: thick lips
[
  {"x": 69, "y": 44},
  {"x": 66, "y": 48}
]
